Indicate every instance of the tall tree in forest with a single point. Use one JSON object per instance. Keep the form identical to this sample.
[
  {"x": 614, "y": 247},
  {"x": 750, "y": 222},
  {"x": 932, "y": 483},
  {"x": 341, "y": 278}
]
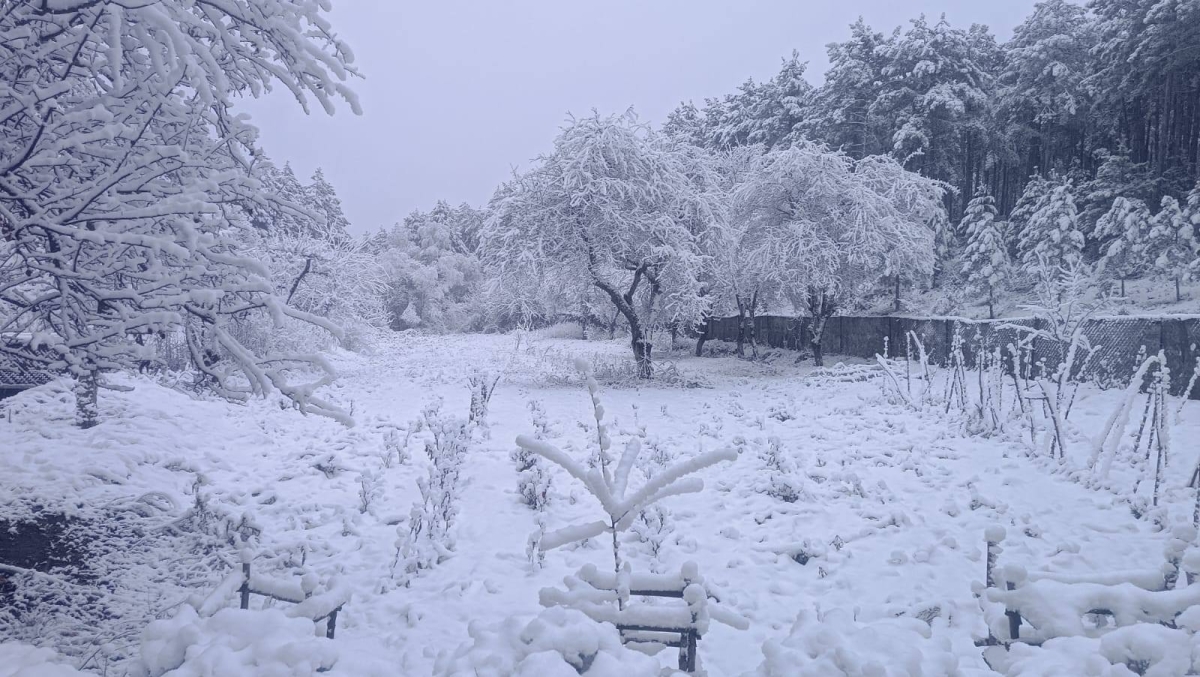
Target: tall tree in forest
[
  {"x": 1172, "y": 244},
  {"x": 985, "y": 261},
  {"x": 842, "y": 115},
  {"x": 124, "y": 176},
  {"x": 1124, "y": 232},
  {"x": 1052, "y": 233}
]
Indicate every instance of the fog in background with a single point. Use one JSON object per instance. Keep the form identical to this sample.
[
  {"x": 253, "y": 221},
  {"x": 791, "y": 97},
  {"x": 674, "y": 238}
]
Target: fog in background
[{"x": 457, "y": 93}]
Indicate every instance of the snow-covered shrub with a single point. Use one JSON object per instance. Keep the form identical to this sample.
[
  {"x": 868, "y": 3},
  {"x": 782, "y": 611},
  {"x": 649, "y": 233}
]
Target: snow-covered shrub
[
  {"x": 835, "y": 645},
  {"x": 244, "y": 642},
  {"x": 370, "y": 488},
  {"x": 426, "y": 539},
  {"x": 1146, "y": 649},
  {"x": 780, "y": 480},
  {"x": 653, "y": 527},
  {"x": 559, "y": 642},
  {"x": 533, "y": 478},
  {"x": 609, "y": 481},
  {"x": 23, "y": 660},
  {"x": 481, "y": 384}
]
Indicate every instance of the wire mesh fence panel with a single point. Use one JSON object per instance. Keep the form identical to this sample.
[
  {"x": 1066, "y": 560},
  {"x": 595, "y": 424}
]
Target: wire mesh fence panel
[{"x": 1118, "y": 346}]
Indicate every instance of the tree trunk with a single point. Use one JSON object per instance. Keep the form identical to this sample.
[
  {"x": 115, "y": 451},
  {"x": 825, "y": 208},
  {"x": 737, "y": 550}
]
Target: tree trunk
[
  {"x": 1122, "y": 287},
  {"x": 87, "y": 412},
  {"x": 641, "y": 351},
  {"x": 1178, "y": 296},
  {"x": 896, "y": 301},
  {"x": 818, "y": 330},
  {"x": 741, "y": 335},
  {"x": 991, "y": 303}
]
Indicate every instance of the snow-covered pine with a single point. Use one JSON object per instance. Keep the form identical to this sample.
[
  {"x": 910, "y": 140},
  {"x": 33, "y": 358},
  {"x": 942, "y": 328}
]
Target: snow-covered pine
[
  {"x": 1126, "y": 229},
  {"x": 1053, "y": 231},
  {"x": 125, "y": 174},
  {"x": 1172, "y": 244},
  {"x": 985, "y": 261}
]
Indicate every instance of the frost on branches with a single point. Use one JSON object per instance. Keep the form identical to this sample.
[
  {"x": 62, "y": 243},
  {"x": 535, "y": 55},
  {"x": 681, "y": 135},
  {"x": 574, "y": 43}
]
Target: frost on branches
[
  {"x": 124, "y": 175},
  {"x": 838, "y": 222},
  {"x": 618, "y": 204}
]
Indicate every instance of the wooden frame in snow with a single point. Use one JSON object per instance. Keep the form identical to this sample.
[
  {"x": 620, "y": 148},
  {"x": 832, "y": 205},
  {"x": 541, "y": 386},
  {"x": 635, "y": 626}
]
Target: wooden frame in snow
[
  {"x": 317, "y": 607},
  {"x": 605, "y": 597},
  {"x": 1054, "y": 604}
]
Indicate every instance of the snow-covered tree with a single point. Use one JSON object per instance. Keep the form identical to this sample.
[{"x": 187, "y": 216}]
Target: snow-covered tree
[
  {"x": 617, "y": 204},
  {"x": 433, "y": 267},
  {"x": 840, "y": 223},
  {"x": 1052, "y": 231},
  {"x": 744, "y": 253},
  {"x": 1125, "y": 230},
  {"x": 985, "y": 261},
  {"x": 124, "y": 177},
  {"x": 321, "y": 197},
  {"x": 842, "y": 114},
  {"x": 1172, "y": 243},
  {"x": 1036, "y": 190}
]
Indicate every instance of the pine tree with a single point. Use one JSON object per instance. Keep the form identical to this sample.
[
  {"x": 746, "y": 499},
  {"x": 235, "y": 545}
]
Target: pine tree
[
  {"x": 1035, "y": 191},
  {"x": 321, "y": 198},
  {"x": 985, "y": 261},
  {"x": 1172, "y": 244},
  {"x": 1126, "y": 227},
  {"x": 1053, "y": 231}
]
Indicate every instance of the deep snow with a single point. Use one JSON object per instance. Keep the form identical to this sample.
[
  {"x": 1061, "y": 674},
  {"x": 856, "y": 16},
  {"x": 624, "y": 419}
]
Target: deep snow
[{"x": 892, "y": 508}]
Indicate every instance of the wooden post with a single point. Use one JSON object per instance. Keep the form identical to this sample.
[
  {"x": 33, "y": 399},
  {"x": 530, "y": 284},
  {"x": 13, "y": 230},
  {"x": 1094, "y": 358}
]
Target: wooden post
[
  {"x": 691, "y": 651},
  {"x": 245, "y": 589},
  {"x": 331, "y": 626},
  {"x": 1014, "y": 618}
]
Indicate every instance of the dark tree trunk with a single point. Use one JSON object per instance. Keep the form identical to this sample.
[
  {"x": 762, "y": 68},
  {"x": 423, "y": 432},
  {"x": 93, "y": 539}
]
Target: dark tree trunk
[
  {"x": 896, "y": 300},
  {"x": 741, "y": 335},
  {"x": 637, "y": 334},
  {"x": 991, "y": 303},
  {"x": 1122, "y": 287},
  {"x": 87, "y": 412},
  {"x": 1178, "y": 295}
]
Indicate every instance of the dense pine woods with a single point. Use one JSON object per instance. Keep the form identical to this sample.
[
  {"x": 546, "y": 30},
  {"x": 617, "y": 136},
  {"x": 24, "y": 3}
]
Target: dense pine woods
[{"x": 1106, "y": 94}]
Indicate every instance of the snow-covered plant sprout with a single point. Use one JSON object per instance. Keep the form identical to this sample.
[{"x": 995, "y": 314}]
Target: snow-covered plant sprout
[
  {"x": 608, "y": 483},
  {"x": 1065, "y": 308},
  {"x": 1151, "y": 448},
  {"x": 534, "y": 480},
  {"x": 425, "y": 540},
  {"x": 482, "y": 384}
]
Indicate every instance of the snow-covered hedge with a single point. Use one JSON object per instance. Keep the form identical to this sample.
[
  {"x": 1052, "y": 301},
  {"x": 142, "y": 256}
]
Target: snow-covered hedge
[
  {"x": 559, "y": 642},
  {"x": 835, "y": 645},
  {"x": 245, "y": 642}
]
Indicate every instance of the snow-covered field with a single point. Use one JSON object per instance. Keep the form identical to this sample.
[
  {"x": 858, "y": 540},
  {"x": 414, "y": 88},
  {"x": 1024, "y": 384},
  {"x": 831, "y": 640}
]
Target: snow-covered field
[{"x": 890, "y": 518}]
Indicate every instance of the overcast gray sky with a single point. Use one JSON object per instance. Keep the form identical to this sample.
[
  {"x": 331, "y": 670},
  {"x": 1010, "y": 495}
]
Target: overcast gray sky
[{"x": 457, "y": 92}]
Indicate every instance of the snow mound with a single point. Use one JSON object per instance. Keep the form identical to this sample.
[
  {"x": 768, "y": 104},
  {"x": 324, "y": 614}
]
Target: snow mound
[
  {"x": 835, "y": 645},
  {"x": 1145, "y": 649},
  {"x": 559, "y": 642},
  {"x": 23, "y": 660},
  {"x": 245, "y": 642}
]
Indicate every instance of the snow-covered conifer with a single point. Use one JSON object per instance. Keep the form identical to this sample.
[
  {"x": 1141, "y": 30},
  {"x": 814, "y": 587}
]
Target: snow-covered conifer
[
  {"x": 985, "y": 261},
  {"x": 1172, "y": 243},
  {"x": 1126, "y": 229},
  {"x": 1052, "y": 231}
]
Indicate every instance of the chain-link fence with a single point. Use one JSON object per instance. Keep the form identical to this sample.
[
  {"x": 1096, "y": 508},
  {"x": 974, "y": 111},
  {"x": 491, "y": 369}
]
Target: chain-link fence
[{"x": 1120, "y": 343}]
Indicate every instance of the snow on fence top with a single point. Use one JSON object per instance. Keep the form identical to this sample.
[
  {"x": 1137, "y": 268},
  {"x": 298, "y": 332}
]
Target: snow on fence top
[{"x": 1120, "y": 340}]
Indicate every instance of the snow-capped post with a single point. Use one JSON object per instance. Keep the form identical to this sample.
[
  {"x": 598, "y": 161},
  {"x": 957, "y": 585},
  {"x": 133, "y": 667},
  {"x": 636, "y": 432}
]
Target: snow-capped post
[
  {"x": 994, "y": 536},
  {"x": 610, "y": 485}
]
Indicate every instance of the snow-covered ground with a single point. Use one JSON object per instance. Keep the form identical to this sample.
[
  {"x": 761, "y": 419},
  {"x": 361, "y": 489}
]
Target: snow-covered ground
[{"x": 890, "y": 518}]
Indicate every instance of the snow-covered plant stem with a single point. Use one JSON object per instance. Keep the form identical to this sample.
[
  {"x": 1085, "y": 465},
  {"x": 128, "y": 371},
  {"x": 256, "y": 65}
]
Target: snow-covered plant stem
[{"x": 609, "y": 484}]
